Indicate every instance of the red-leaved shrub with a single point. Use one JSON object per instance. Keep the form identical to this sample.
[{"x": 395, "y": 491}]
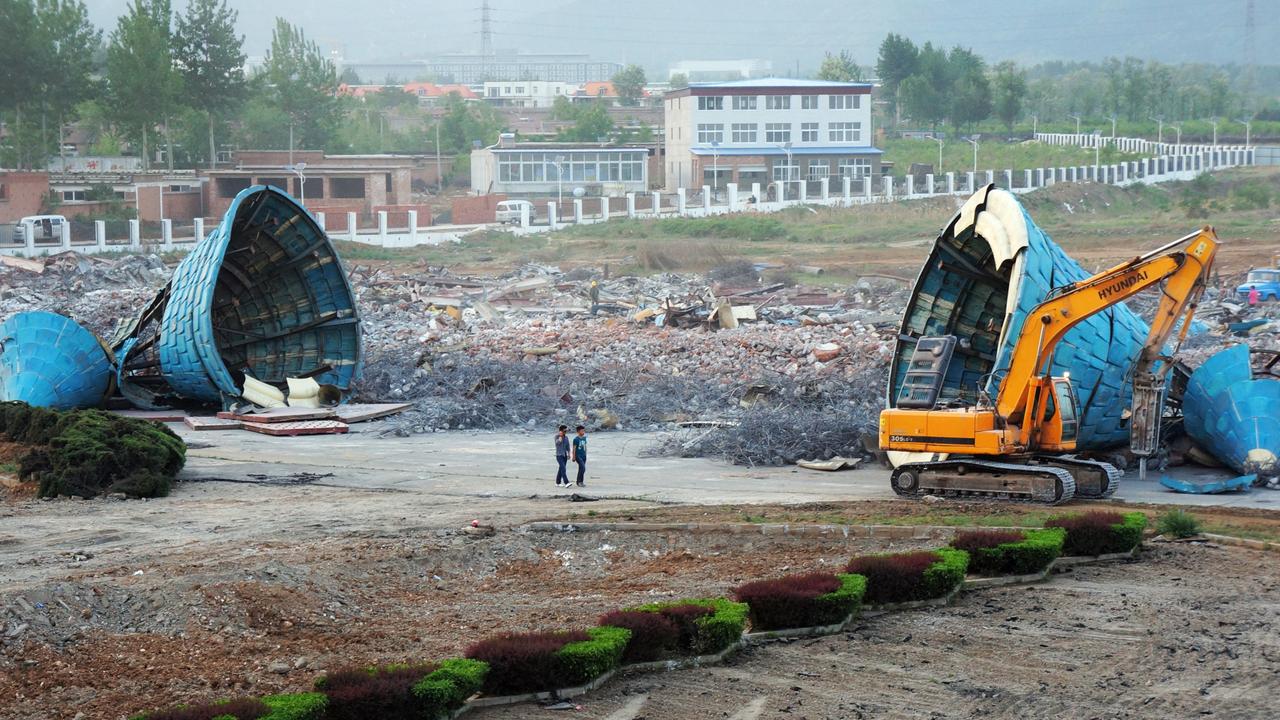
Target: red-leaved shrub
[
  {"x": 788, "y": 602},
  {"x": 239, "y": 708},
  {"x": 654, "y": 636},
  {"x": 522, "y": 663},
  {"x": 971, "y": 540},
  {"x": 358, "y": 693},
  {"x": 893, "y": 578},
  {"x": 1089, "y": 533},
  {"x": 685, "y": 618}
]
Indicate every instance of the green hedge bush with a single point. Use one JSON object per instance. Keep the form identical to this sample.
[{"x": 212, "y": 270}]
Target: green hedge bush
[
  {"x": 909, "y": 576},
  {"x": 798, "y": 601},
  {"x": 300, "y": 706},
  {"x": 90, "y": 452},
  {"x": 1100, "y": 532},
  {"x": 446, "y": 689},
  {"x": 715, "y": 631},
  {"x": 584, "y": 661},
  {"x": 1030, "y": 554}
]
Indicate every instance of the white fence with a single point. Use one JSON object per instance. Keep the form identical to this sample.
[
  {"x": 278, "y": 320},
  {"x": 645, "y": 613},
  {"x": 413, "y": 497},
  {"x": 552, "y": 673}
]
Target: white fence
[{"x": 1167, "y": 162}]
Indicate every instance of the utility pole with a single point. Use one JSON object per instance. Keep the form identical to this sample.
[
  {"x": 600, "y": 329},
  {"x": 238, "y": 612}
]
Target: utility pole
[
  {"x": 1247, "y": 127},
  {"x": 439, "y": 172},
  {"x": 1160, "y": 131},
  {"x": 1113, "y": 125},
  {"x": 1214, "y": 120},
  {"x": 974, "y": 142}
]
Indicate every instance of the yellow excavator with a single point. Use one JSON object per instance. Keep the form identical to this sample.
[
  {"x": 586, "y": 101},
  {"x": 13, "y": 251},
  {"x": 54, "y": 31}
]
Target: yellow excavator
[{"x": 1018, "y": 446}]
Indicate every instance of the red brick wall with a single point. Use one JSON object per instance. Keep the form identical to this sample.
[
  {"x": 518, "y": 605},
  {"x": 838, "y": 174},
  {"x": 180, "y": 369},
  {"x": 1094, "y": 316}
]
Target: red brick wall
[
  {"x": 22, "y": 193},
  {"x": 475, "y": 209}
]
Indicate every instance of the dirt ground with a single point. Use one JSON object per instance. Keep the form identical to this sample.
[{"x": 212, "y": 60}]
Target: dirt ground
[{"x": 199, "y": 596}]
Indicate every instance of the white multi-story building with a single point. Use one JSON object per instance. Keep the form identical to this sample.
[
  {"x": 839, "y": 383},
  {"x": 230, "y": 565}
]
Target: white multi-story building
[
  {"x": 768, "y": 130},
  {"x": 527, "y": 93}
]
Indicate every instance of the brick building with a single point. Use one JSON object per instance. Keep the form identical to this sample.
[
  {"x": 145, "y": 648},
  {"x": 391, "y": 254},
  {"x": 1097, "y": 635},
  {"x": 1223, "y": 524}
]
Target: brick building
[{"x": 21, "y": 194}]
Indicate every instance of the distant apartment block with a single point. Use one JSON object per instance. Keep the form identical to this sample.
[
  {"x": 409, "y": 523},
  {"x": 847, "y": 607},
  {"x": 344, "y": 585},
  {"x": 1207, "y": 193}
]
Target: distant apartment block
[
  {"x": 527, "y": 93},
  {"x": 720, "y": 70},
  {"x": 476, "y": 69},
  {"x": 768, "y": 130}
]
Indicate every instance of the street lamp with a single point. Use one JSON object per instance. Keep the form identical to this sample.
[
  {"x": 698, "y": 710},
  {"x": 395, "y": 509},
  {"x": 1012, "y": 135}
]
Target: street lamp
[
  {"x": 786, "y": 148},
  {"x": 1113, "y": 125},
  {"x": 1097, "y": 151},
  {"x": 940, "y": 141},
  {"x": 557, "y": 164},
  {"x": 974, "y": 142},
  {"x": 1178, "y": 128},
  {"x": 1077, "y": 117},
  {"x": 1214, "y": 120},
  {"x": 1247, "y": 127},
  {"x": 1035, "y": 124},
  {"x": 297, "y": 169},
  {"x": 715, "y": 167},
  {"x": 1160, "y": 131}
]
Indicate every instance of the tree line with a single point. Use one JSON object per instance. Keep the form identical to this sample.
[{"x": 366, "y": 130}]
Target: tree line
[{"x": 932, "y": 86}]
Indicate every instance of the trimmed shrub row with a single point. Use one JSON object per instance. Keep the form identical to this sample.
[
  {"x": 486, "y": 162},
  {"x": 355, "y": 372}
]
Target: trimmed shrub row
[
  {"x": 798, "y": 601},
  {"x": 302, "y": 706},
  {"x": 1100, "y": 532},
  {"x": 905, "y": 577},
  {"x": 706, "y": 625},
  {"x": 533, "y": 662},
  {"x": 1006, "y": 552}
]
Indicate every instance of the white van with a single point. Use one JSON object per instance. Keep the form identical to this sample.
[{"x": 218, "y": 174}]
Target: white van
[
  {"x": 47, "y": 228},
  {"x": 508, "y": 211}
]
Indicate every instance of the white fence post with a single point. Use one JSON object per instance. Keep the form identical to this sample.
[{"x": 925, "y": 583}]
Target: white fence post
[
  {"x": 706, "y": 199},
  {"x": 887, "y": 183},
  {"x": 577, "y": 211},
  {"x": 826, "y": 189},
  {"x": 682, "y": 201},
  {"x": 631, "y": 205},
  {"x": 928, "y": 183},
  {"x": 972, "y": 178},
  {"x": 351, "y": 226},
  {"x": 604, "y": 208},
  {"x": 319, "y": 221},
  {"x": 197, "y": 228},
  {"x": 733, "y": 196},
  {"x": 911, "y": 186},
  {"x": 100, "y": 234},
  {"x": 64, "y": 235},
  {"x": 755, "y": 191},
  {"x": 525, "y": 218},
  {"x": 166, "y": 234},
  {"x": 951, "y": 183},
  {"x": 552, "y": 215},
  {"x": 866, "y": 186},
  {"x": 413, "y": 226},
  {"x": 382, "y": 225},
  {"x": 990, "y": 177},
  {"x": 657, "y": 203},
  {"x": 846, "y": 184},
  {"x": 135, "y": 235}
]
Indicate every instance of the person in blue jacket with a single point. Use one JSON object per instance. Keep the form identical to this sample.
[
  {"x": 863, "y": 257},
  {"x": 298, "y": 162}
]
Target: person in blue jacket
[
  {"x": 562, "y": 455},
  {"x": 580, "y": 454}
]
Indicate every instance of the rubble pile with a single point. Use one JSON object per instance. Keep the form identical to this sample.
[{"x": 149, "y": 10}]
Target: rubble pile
[{"x": 95, "y": 291}]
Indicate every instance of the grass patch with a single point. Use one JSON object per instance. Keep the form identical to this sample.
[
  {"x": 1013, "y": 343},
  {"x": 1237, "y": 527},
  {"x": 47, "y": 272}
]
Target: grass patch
[{"x": 1178, "y": 523}]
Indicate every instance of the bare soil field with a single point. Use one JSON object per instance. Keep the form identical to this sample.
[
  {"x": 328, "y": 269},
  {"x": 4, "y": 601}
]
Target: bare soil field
[{"x": 229, "y": 596}]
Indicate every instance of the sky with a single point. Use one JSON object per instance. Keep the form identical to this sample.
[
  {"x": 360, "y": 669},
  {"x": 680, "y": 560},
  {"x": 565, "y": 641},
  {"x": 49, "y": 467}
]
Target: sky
[{"x": 791, "y": 33}]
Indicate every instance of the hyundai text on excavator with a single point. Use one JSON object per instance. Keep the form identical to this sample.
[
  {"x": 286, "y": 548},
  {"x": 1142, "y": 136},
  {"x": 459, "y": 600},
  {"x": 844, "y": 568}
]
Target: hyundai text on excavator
[{"x": 1019, "y": 445}]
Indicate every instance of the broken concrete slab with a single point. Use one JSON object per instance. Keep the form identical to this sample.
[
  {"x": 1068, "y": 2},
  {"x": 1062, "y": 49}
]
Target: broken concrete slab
[
  {"x": 363, "y": 412},
  {"x": 280, "y": 415},
  {"x": 306, "y": 427},
  {"x": 211, "y": 423}
]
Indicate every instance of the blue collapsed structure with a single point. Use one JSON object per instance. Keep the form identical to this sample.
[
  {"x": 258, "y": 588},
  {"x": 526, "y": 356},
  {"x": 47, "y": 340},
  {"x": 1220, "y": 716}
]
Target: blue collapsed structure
[
  {"x": 263, "y": 296},
  {"x": 1233, "y": 414},
  {"x": 986, "y": 272}
]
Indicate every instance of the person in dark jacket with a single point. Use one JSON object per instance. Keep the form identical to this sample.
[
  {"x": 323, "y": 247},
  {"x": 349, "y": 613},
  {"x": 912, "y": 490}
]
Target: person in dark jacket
[
  {"x": 580, "y": 454},
  {"x": 562, "y": 455}
]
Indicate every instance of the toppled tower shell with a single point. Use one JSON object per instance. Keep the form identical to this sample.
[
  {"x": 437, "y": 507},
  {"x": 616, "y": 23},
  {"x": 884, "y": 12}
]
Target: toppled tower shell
[
  {"x": 264, "y": 295},
  {"x": 1234, "y": 415},
  {"x": 986, "y": 272},
  {"x": 49, "y": 361}
]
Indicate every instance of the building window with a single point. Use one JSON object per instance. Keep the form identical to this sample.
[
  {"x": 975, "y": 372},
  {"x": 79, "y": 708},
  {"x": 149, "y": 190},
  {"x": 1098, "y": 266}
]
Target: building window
[
  {"x": 819, "y": 169},
  {"x": 845, "y": 131},
  {"x": 4, "y": 191},
  {"x": 777, "y": 132},
  {"x": 854, "y": 167},
  {"x": 313, "y": 189},
  {"x": 808, "y": 102},
  {"x": 777, "y": 102},
  {"x": 844, "y": 102},
  {"x": 808, "y": 131},
  {"x": 708, "y": 134},
  {"x": 745, "y": 132},
  {"x": 710, "y": 103},
  {"x": 586, "y": 167},
  {"x": 230, "y": 187},
  {"x": 348, "y": 188},
  {"x": 786, "y": 173},
  {"x": 744, "y": 102},
  {"x": 73, "y": 195}
]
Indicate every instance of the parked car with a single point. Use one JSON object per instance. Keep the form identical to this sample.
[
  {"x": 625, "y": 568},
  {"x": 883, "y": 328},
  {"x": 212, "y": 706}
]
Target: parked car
[
  {"x": 508, "y": 211},
  {"x": 46, "y": 228},
  {"x": 1267, "y": 280}
]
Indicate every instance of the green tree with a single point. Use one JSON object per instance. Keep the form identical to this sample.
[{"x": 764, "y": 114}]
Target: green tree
[
  {"x": 303, "y": 83},
  {"x": 1010, "y": 91},
  {"x": 349, "y": 76},
  {"x": 679, "y": 81},
  {"x": 67, "y": 42},
  {"x": 970, "y": 94},
  {"x": 922, "y": 101},
  {"x": 590, "y": 123},
  {"x": 896, "y": 62},
  {"x": 839, "y": 68},
  {"x": 19, "y": 58},
  {"x": 210, "y": 57},
  {"x": 629, "y": 84},
  {"x": 141, "y": 81}
]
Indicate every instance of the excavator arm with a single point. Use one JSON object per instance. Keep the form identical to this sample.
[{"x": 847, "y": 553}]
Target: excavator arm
[{"x": 1183, "y": 272}]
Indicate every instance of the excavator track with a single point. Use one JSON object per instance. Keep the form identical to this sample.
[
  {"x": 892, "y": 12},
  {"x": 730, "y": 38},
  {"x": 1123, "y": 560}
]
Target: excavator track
[
  {"x": 973, "y": 478},
  {"x": 1094, "y": 480}
]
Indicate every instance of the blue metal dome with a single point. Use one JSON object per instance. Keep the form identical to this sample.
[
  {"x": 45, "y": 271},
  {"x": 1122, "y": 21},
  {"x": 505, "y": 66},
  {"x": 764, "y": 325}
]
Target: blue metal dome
[
  {"x": 264, "y": 295},
  {"x": 1233, "y": 415},
  {"x": 48, "y": 360}
]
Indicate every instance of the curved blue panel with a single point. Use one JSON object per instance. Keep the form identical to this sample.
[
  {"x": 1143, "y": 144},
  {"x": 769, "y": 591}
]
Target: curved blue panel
[
  {"x": 1233, "y": 416},
  {"x": 48, "y": 360},
  {"x": 961, "y": 291},
  {"x": 264, "y": 294}
]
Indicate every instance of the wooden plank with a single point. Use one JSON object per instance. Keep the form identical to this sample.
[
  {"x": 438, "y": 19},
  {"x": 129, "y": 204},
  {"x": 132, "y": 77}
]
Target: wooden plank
[
  {"x": 153, "y": 415},
  {"x": 212, "y": 423},
  {"x": 362, "y": 412},
  {"x": 279, "y": 415},
  {"x": 35, "y": 266},
  {"x": 306, "y": 427}
]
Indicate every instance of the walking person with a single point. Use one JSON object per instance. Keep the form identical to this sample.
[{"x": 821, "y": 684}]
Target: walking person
[
  {"x": 562, "y": 455},
  {"x": 580, "y": 454},
  {"x": 594, "y": 293},
  {"x": 1254, "y": 295}
]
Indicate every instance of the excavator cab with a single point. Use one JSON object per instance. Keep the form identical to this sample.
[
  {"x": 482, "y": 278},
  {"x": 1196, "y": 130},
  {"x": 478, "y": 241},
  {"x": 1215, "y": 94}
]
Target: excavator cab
[{"x": 1061, "y": 416}]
